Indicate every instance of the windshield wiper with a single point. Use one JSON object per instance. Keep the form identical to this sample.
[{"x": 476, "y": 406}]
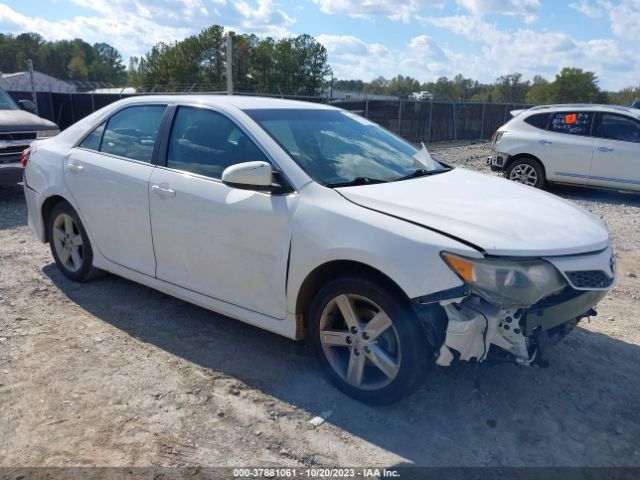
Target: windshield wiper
[
  {"x": 358, "y": 181},
  {"x": 422, "y": 172}
]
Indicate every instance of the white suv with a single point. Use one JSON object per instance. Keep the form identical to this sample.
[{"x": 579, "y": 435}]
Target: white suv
[{"x": 591, "y": 145}]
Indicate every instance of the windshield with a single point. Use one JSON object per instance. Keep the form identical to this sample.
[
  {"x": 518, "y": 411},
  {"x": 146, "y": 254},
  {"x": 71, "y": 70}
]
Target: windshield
[
  {"x": 5, "y": 101},
  {"x": 340, "y": 148}
]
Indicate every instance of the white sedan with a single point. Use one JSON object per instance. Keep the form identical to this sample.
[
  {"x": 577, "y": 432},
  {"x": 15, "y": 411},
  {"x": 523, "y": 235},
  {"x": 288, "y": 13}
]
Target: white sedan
[{"x": 315, "y": 223}]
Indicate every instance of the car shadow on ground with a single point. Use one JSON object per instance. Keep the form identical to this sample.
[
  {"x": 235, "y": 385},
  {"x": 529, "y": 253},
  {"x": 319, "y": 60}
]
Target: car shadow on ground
[
  {"x": 582, "y": 410},
  {"x": 13, "y": 207},
  {"x": 600, "y": 195}
]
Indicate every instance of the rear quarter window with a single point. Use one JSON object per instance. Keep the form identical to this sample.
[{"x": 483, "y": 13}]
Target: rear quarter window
[{"x": 539, "y": 120}]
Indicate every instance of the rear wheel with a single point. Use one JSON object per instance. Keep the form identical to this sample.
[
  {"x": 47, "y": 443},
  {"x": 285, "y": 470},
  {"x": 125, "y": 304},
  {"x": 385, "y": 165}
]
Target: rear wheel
[
  {"x": 367, "y": 340},
  {"x": 527, "y": 171},
  {"x": 70, "y": 244}
]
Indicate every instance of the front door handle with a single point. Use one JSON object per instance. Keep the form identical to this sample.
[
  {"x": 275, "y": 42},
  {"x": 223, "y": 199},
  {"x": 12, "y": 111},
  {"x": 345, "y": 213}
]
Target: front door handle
[
  {"x": 163, "y": 190},
  {"x": 75, "y": 167},
  {"x": 605, "y": 149},
  {"x": 544, "y": 142}
]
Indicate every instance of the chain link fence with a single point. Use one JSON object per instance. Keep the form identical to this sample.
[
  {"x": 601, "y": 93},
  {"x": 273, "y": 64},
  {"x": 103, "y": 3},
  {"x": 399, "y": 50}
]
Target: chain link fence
[{"x": 416, "y": 121}]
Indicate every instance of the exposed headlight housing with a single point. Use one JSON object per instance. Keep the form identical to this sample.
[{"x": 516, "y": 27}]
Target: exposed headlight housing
[
  {"x": 47, "y": 133},
  {"x": 508, "y": 283}
]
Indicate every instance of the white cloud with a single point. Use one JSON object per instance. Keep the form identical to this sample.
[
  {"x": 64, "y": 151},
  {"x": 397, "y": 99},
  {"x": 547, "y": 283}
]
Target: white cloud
[
  {"x": 394, "y": 10},
  {"x": 586, "y": 8},
  {"x": 526, "y": 8},
  {"x": 533, "y": 52},
  {"x": 134, "y": 26},
  {"x": 624, "y": 18}
]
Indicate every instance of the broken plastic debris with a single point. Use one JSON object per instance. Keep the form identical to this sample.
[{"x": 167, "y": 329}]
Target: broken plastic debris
[{"x": 315, "y": 421}]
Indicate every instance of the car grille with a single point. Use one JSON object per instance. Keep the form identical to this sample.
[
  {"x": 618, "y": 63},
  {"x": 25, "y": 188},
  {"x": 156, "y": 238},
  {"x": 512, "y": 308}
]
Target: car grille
[
  {"x": 589, "y": 279},
  {"x": 12, "y": 136},
  {"x": 13, "y": 143}
]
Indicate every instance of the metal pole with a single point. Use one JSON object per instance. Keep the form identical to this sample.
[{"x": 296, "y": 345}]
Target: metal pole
[
  {"x": 455, "y": 127},
  {"x": 366, "y": 108},
  {"x": 34, "y": 97},
  {"x": 484, "y": 104},
  {"x": 430, "y": 119},
  {"x": 229, "y": 64},
  {"x": 399, "y": 115}
]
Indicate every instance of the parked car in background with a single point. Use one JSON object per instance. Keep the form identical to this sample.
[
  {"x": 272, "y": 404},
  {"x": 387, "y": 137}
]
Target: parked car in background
[
  {"x": 590, "y": 145},
  {"x": 310, "y": 221},
  {"x": 19, "y": 126},
  {"x": 422, "y": 96}
]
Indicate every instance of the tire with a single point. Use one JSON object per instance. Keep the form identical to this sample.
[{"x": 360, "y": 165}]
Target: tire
[
  {"x": 527, "y": 171},
  {"x": 70, "y": 244},
  {"x": 396, "y": 340}
]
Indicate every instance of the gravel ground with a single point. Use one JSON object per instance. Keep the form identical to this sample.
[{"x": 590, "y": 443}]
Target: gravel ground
[{"x": 112, "y": 373}]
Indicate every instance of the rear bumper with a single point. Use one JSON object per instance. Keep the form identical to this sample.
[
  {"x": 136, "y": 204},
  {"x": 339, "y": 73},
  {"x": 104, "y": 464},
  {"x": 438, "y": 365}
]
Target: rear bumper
[
  {"x": 11, "y": 173},
  {"x": 33, "y": 209},
  {"x": 497, "y": 161}
]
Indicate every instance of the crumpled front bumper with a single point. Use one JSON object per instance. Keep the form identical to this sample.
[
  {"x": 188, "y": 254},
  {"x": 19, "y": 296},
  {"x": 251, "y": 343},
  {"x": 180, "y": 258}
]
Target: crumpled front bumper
[{"x": 468, "y": 326}]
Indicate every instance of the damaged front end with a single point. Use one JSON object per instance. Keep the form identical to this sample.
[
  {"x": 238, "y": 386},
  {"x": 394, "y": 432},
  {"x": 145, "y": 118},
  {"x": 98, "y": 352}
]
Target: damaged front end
[{"x": 513, "y": 309}]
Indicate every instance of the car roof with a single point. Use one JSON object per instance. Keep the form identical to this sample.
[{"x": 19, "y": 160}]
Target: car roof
[
  {"x": 586, "y": 106},
  {"x": 238, "y": 101}
]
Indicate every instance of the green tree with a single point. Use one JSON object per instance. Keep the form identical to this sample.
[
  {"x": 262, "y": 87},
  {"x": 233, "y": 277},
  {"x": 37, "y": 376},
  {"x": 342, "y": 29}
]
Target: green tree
[
  {"x": 77, "y": 68},
  {"x": 573, "y": 85}
]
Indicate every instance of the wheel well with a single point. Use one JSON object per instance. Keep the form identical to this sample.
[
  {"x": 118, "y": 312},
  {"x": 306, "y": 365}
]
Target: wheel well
[
  {"x": 525, "y": 155},
  {"x": 328, "y": 271},
  {"x": 47, "y": 206}
]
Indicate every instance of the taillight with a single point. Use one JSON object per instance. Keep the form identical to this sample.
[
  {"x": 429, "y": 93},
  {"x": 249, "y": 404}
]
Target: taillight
[{"x": 24, "y": 157}]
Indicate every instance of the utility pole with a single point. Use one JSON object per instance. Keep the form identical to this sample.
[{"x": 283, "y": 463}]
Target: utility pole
[
  {"x": 34, "y": 97},
  {"x": 229, "y": 64}
]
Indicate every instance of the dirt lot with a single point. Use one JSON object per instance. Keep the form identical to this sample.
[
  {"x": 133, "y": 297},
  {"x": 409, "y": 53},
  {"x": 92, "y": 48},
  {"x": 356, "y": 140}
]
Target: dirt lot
[{"x": 111, "y": 373}]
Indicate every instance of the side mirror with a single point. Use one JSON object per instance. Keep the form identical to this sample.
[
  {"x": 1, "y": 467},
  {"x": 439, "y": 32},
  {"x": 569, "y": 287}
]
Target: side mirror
[
  {"x": 28, "y": 106},
  {"x": 249, "y": 175}
]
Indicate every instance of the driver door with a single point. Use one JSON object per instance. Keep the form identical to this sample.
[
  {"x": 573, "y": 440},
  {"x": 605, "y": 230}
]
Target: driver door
[{"x": 227, "y": 243}]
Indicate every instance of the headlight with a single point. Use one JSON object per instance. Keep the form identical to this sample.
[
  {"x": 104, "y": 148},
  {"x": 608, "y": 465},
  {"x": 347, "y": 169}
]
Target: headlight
[
  {"x": 507, "y": 283},
  {"x": 47, "y": 133}
]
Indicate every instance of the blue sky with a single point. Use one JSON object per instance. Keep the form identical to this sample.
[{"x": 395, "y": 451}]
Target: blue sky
[{"x": 426, "y": 39}]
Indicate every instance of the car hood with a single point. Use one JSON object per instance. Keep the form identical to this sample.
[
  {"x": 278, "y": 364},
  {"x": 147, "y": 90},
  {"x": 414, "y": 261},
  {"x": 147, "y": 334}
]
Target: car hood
[
  {"x": 21, "y": 121},
  {"x": 493, "y": 214}
]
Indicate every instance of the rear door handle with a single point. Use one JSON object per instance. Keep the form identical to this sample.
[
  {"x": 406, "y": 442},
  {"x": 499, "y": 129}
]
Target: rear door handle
[
  {"x": 75, "y": 167},
  {"x": 605, "y": 149},
  {"x": 163, "y": 190},
  {"x": 544, "y": 142}
]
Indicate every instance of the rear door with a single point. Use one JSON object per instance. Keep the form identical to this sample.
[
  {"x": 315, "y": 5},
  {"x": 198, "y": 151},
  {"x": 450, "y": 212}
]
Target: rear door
[
  {"x": 616, "y": 161},
  {"x": 108, "y": 176},
  {"x": 566, "y": 147}
]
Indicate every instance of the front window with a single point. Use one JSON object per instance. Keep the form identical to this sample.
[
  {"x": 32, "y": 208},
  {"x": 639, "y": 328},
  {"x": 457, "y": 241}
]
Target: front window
[
  {"x": 618, "y": 127},
  {"x": 6, "y": 103},
  {"x": 339, "y": 148},
  {"x": 206, "y": 142}
]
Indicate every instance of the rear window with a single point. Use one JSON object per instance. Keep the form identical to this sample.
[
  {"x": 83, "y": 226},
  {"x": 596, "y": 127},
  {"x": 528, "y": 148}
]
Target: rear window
[
  {"x": 539, "y": 120},
  {"x": 573, "y": 123}
]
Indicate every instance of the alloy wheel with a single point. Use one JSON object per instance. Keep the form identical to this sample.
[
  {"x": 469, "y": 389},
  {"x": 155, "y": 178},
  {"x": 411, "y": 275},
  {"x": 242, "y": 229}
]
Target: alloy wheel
[
  {"x": 524, "y": 174},
  {"x": 67, "y": 241},
  {"x": 360, "y": 342}
]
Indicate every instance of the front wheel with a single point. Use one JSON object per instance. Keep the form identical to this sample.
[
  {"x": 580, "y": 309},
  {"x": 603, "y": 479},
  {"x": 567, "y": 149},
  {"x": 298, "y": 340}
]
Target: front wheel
[
  {"x": 527, "y": 171},
  {"x": 368, "y": 340}
]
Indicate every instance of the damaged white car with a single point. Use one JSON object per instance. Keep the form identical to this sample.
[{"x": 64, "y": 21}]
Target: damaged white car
[{"x": 312, "y": 222}]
